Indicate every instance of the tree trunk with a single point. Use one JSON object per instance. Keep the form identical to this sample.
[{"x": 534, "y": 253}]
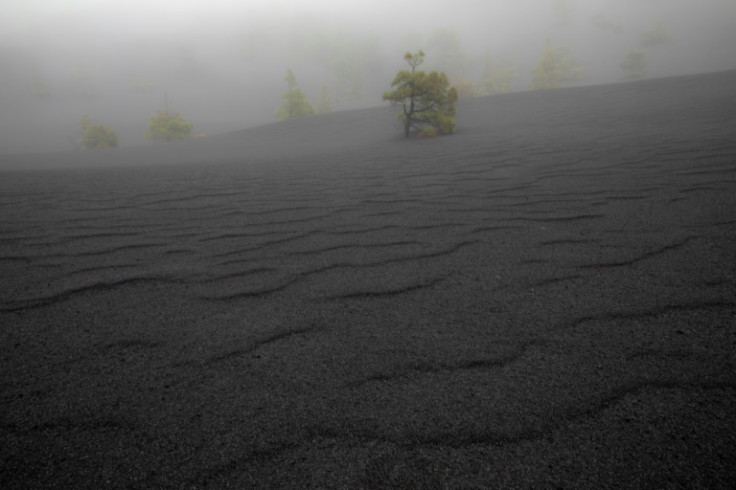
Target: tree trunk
[{"x": 408, "y": 114}]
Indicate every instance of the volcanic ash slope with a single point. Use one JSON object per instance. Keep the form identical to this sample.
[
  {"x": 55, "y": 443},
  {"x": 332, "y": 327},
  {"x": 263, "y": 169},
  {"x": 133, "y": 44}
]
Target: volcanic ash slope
[{"x": 544, "y": 299}]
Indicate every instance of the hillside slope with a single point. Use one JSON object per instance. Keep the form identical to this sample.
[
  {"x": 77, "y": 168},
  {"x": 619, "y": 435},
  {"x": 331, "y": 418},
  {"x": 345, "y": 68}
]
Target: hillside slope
[
  {"x": 544, "y": 300},
  {"x": 635, "y": 111}
]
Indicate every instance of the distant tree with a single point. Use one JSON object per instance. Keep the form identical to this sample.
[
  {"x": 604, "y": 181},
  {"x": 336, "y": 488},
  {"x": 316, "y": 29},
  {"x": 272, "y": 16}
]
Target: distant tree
[
  {"x": 634, "y": 66},
  {"x": 556, "y": 66},
  {"x": 496, "y": 77},
  {"x": 96, "y": 136},
  {"x": 655, "y": 35},
  {"x": 295, "y": 103},
  {"x": 168, "y": 125},
  {"x": 347, "y": 56},
  {"x": 465, "y": 88},
  {"x": 428, "y": 100},
  {"x": 325, "y": 101}
]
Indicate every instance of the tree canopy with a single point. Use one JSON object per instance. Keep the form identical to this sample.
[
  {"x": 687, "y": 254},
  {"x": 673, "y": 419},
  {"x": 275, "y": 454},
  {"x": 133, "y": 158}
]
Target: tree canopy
[
  {"x": 167, "y": 125},
  {"x": 555, "y": 67},
  {"x": 428, "y": 100},
  {"x": 294, "y": 101},
  {"x": 96, "y": 136}
]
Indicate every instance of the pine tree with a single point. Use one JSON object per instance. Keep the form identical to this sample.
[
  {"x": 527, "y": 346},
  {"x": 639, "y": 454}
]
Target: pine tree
[
  {"x": 555, "y": 67},
  {"x": 295, "y": 102},
  {"x": 428, "y": 100}
]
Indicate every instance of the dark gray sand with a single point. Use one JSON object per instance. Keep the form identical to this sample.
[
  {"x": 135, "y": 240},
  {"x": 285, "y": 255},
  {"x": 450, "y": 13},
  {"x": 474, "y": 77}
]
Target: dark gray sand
[{"x": 545, "y": 299}]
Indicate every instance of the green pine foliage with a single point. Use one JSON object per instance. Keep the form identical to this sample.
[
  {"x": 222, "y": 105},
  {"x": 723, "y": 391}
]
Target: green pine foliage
[
  {"x": 96, "y": 136},
  {"x": 428, "y": 100},
  {"x": 556, "y": 67},
  {"x": 167, "y": 125},
  {"x": 294, "y": 101}
]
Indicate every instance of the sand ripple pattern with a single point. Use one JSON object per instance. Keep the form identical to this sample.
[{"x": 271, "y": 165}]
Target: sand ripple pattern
[{"x": 534, "y": 302}]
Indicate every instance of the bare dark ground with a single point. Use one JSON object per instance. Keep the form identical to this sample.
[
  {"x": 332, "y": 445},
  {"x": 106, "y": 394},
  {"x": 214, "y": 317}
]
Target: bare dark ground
[{"x": 545, "y": 299}]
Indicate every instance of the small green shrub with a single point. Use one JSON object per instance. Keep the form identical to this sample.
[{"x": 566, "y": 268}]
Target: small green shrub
[
  {"x": 96, "y": 136},
  {"x": 168, "y": 125}
]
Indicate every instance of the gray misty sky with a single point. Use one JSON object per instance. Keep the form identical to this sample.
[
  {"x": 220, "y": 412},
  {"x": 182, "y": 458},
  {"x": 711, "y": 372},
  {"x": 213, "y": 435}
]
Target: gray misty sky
[
  {"x": 221, "y": 63},
  {"x": 64, "y": 23}
]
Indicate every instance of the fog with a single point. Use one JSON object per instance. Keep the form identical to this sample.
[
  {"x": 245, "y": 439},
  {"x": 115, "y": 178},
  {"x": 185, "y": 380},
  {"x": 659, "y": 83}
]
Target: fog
[{"x": 221, "y": 64}]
